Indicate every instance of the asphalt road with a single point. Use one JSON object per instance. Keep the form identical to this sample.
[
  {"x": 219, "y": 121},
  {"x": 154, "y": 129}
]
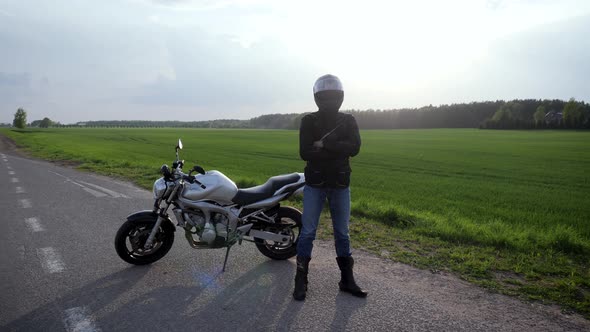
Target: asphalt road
[{"x": 59, "y": 271}]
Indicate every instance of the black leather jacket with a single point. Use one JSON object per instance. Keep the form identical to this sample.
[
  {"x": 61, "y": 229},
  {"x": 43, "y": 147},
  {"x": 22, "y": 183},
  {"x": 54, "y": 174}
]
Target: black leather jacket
[{"x": 328, "y": 166}]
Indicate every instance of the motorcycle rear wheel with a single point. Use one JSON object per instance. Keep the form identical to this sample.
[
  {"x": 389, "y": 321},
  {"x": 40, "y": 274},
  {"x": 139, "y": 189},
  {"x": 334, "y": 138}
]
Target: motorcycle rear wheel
[
  {"x": 287, "y": 215},
  {"x": 132, "y": 236}
]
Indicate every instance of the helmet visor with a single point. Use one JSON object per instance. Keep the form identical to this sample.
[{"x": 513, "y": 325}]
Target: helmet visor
[{"x": 326, "y": 83}]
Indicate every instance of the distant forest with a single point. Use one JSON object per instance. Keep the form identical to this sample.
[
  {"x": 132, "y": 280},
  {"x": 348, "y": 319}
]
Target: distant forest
[{"x": 515, "y": 114}]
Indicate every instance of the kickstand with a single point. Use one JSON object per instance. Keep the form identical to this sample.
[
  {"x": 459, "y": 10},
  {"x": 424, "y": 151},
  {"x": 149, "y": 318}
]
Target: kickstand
[{"x": 225, "y": 261}]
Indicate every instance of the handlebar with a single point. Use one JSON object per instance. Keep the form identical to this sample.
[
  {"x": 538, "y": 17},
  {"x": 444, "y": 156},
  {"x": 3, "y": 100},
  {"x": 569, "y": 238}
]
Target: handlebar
[
  {"x": 177, "y": 173},
  {"x": 192, "y": 179},
  {"x": 178, "y": 164}
]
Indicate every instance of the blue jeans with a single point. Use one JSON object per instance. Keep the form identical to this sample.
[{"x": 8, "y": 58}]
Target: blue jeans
[{"x": 313, "y": 202}]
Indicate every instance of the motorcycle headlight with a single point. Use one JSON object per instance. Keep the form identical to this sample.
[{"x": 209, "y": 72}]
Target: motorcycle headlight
[{"x": 159, "y": 188}]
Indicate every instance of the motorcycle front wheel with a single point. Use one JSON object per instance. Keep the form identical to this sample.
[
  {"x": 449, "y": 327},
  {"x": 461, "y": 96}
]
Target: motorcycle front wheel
[
  {"x": 131, "y": 237},
  {"x": 289, "y": 224}
]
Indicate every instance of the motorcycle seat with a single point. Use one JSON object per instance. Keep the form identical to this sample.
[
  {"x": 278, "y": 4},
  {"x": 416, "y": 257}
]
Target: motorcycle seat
[{"x": 250, "y": 195}]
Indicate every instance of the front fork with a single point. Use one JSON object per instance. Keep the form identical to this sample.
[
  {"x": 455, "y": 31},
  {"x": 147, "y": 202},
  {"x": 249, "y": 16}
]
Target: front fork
[
  {"x": 150, "y": 240},
  {"x": 161, "y": 216}
]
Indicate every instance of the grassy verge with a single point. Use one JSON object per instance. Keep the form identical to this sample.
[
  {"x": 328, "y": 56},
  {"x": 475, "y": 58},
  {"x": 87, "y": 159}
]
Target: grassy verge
[
  {"x": 546, "y": 276},
  {"x": 507, "y": 210}
]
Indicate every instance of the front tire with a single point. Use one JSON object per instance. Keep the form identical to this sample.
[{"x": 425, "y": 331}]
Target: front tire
[
  {"x": 290, "y": 218},
  {"x": 132, "y": 236}
]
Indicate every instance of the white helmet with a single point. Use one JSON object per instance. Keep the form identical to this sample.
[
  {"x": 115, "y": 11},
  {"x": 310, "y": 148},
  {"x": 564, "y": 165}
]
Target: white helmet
[{"x": 328, "y": 93}]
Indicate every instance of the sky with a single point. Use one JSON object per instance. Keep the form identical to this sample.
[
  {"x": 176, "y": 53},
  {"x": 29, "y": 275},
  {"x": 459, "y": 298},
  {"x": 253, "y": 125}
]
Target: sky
[{"x": 236, "y": 59}]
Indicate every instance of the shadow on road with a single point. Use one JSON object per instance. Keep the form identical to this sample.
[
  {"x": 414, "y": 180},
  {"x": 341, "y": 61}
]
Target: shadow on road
[
  {"x": 95, "y": 296},
  {"x": 344, "y": 311},
  {"x": 260, "y": 299}
]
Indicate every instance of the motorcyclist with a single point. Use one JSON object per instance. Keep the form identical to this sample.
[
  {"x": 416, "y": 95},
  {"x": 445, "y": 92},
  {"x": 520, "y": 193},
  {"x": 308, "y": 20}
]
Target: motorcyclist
[{"x": 327, "y": 139}]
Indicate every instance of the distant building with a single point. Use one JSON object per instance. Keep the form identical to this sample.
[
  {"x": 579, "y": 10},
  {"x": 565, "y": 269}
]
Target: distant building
[
  {"x": 81, "y": 124},
  {"x": 554, "y": 118}
]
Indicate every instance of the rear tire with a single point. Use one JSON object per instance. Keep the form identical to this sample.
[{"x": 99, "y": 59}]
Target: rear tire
[
  {"x": 132, "y": 236},
  {"x": 287, "y": 215}
]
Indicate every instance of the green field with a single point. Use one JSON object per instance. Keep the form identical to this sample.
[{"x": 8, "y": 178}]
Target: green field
[{"x": 508, "y": 210}]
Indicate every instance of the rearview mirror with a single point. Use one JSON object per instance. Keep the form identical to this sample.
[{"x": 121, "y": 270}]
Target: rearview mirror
[{"x": 179, "y": 146}]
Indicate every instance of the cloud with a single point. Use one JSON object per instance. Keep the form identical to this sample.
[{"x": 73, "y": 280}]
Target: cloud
[
  {"x": 200, "y": 5},
  {"x": 21, "y": 89},
  {"x": 550, "y": 61},
  {"x": 15, "y": 79},
  {"x": 151, "y": 59},
  {"x": 218, "y": 73},
  {"x": 15, "y": 87},
  {"x": 494, "y": 4}
]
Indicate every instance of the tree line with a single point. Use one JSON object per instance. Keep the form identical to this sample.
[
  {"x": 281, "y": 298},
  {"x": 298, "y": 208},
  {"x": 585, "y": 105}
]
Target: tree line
[
  {"x": 515, "y": 114},
  {"x": 528, "y": 114},
  {"x": 20, "y": 121}
]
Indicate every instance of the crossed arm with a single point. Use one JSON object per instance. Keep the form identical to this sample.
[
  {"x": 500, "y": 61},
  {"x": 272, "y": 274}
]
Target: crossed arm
[{"x": 331, "y": 147}]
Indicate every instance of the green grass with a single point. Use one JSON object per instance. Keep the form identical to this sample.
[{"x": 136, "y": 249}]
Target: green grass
[{"x": 508, "y": 210}]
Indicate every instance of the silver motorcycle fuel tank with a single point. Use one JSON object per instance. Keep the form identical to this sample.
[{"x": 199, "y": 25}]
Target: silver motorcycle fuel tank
[{"x": 218, "y": 188}]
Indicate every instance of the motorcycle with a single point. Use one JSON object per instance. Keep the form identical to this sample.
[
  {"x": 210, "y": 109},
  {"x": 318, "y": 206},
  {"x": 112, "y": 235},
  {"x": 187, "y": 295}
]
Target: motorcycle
[{"x": 214, "y": 214}]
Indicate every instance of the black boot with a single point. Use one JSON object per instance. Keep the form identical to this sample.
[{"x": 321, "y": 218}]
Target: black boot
[
  {"x": 301, "y": 278},
  {"x": 347, "y": 283}
]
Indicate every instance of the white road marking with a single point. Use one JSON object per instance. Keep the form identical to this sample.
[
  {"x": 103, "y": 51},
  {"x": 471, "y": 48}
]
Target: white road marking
[
  {"x": 14, "y": 180},
  {"x": 51, "y": 260},
  {"x": 21, "y": 252},
  {"x": 108, "y": 191},
  {"x": 25, "y": 203},
  {"x": 20, "y": 190},
  {"x": 94, "y": 192},
  {"x": 34, "y": 224},
  {"x": 63, "y": 176},
  {"x": 91, "y": 191},
  {"x": 10, "y": 172},
  {"x": 88, "y": 190},
  {"x": 79, "y": 320}
]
